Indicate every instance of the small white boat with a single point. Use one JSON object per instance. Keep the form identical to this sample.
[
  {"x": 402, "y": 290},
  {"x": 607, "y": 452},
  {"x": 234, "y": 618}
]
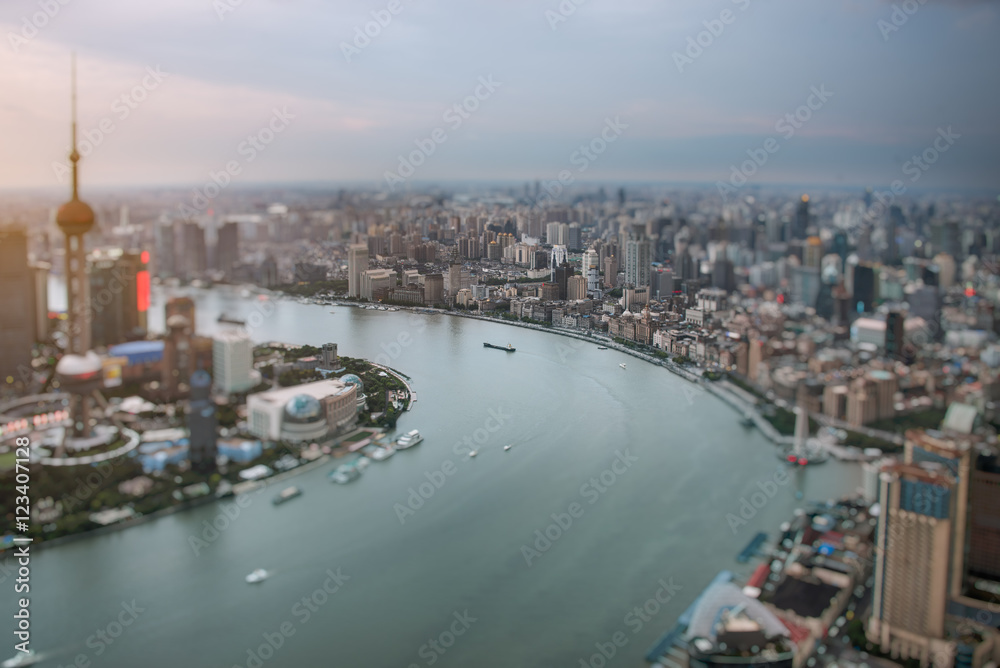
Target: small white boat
[
  {"x": 508, "y": 447},
  {"x": 409, "y": 439},
  {"x": 473, "y": 453},
  {"x": 382, "y": 454},
  {"x": 28, "y": 658},
  {"x": 622, "y": 365},
  {"x": 259, "y": 575},
  {"x": 602, "y": 347}
]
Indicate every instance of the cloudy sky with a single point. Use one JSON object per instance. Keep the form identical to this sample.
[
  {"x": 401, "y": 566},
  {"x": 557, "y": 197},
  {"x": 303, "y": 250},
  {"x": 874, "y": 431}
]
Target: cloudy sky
[{"x": 692, "y": 112}]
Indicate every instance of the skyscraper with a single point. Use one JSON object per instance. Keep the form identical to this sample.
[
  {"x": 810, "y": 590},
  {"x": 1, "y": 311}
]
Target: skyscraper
[
  {"x": 638, "y": 260},
  {"x": 799, "y": 231},
  {"x": 17, "y": 306},
  {"x": 357, "y": 262},
  {"x": 119, "y": 297},
  {"x": 201, "y": 419},
  {"x": 232, "y": 358},
  {"x": 227, "y": 246},
  {"x": 75, "y": 218}
]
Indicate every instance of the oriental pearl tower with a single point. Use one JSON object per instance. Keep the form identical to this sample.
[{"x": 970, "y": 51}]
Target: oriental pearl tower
[
  {"x": 79, "y": 370},
  {"x": 75, "y": 218}
]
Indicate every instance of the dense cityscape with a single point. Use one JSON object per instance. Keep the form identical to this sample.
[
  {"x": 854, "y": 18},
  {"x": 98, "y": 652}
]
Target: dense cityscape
[{"x": 757, "y": 419}]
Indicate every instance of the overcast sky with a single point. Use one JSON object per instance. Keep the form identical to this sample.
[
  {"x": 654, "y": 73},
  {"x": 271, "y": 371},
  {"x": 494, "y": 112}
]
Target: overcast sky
[{"x": 559, "y": 80}]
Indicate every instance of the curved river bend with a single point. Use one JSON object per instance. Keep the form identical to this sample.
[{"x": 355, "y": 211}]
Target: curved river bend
[{"x": 638, "y": 467}]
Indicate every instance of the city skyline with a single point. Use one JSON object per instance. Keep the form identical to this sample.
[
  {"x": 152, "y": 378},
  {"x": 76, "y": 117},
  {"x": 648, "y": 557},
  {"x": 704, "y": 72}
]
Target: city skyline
[{"x": 557, "y": 76}]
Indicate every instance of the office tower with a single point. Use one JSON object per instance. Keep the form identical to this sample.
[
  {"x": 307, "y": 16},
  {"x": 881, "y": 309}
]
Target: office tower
[
  {"x": 454, "y": 279},
  {"x": 576, "y": 288},
  {"x": 434, "y": 288},
  {"x": 864, "y": 288},
  {"x": 561, "y": 277},
  {"x": 799, "y": 231},
  {"x": 75, "y": 218},
  {"x": 638, "y": 260},
  {"x": 232, "y": 358},
  {"x": 119, "y": 295},
  {"x": 201, "y": 420},
  {"x": 192, "y": 256},
  {"x": 610, "y": 272},
  {"x": 18, "y": 322},
  {"x": 331, "y": 360},
  {"x": 375, "y": 280},
  {"x": 896, "y": 221},
  {"x": 227, "y": 247},
  {"x": 894, "y": 335},
  {"x": 165, "y": 247},
  {"x": 921, "y": 550},
  {"x": 591, "y": 270},
  {"x": 573, "y": 236},
  {"x": 805, "y": 285},
  {"x": 559, "y": 256},
  {"x": 812, "y": 252},
  {"x": 181, "y": 306},
  {"x": 357, "y": 262}
]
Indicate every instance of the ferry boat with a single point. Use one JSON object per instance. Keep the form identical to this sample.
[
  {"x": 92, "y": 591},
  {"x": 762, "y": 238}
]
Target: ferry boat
[
  {"x": 231, "y": 321},
  {"x": 344, "y": 474},
  {"x": 602, "y": 347},
  {"x": 286, "y": 495},
  {"x": 409, "y": 439},
  {"x": 258, "y": 575},
  {"x": 380, "y": 454},
  {"x": 622, "y": 365},
  {"x": 509, "y": 348}
]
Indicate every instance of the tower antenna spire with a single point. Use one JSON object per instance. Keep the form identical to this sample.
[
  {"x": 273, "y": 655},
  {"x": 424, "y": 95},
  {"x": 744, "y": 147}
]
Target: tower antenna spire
[{"x": 74, "y": 155}]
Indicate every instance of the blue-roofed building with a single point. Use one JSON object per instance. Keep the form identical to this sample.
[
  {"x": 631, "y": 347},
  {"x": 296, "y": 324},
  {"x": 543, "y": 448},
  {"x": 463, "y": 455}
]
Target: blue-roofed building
[{"x": 139, "y": 352}]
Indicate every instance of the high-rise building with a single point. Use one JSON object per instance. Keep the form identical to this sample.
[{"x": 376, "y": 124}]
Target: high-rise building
[
  {"x": 894, "y": 335},
  {"x": 227, "y": 246},
  {"x": 192, "y": 256},
  {"x": 864, "y": 287},
  {"x": 202, "y": 423},
  {"x": 18, "y": 322},
  {"x": 232, "y": 359},
  {"x": 178, "y": 350},
  {"x": 920, "y": 555},
  {"x": 330, "y": 359},
  {"x": 610, "y": 272},
  {"x": 165, "y": 247},
  {"x": 799, "y": 231},
  {"x": 576, "y": 288},
  {"x": 373, "y": 280},
  {"x": 562, "y": 274},
  {"x": 434, "y": 288},
  {"x": 984, "y": 518},
  {"x": 454, "y": 279},
  {"x": 75, "y": 218},
  {"x": 119, "y": 295},
  {"x": 574, "y": 236},
  {"x": 357, "y": 262},
  {"x": 638, "y": 261}
]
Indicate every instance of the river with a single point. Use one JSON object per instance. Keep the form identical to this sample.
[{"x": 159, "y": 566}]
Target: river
[{"x": 635, "y": 475}]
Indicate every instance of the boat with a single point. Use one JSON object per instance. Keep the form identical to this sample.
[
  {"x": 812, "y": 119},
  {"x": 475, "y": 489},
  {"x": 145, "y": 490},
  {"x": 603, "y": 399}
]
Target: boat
[
  {"x": 747, "y": 420},
  {"x": 622, "y": 365},
  {"x": 473, "y": 453},
  {"x": 508, "y": 447},
  {"x": 602, "y": 347},
  {"x": 231, "y": 321},
  {"x": 345, "y": 473},
  {"x": 380, "y": 454},
  {"x": 408, "y": 440},
  {"x": 259, "y": 575},
  {"x": 28, "y": 658},
  {"x": 286, "y": 495},
  {"x": 509, "y": 348}
]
